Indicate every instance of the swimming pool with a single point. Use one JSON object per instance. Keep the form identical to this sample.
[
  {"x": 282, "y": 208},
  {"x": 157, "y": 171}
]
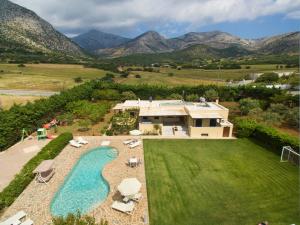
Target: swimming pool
[{"x": 85, "y": 186}]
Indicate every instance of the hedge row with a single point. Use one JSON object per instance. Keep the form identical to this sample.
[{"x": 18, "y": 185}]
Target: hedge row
[
  {"x": 266, "y": 135},
  {"x": 21, "y": 180},
  {"x": 144, "y": 91}
]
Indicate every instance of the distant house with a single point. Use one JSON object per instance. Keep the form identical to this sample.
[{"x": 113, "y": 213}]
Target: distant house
[
  {"x": 283, "y": 73},
  {"x": 239, "y": 83},
  {"x": 279, "y": 86},
  {"x": 254, "y": 76},
  {"x": 180, "y": 118}
]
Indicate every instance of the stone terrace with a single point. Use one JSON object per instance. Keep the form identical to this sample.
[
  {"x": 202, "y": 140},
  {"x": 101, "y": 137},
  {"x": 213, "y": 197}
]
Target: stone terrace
[{"x": 36, "y": 199}]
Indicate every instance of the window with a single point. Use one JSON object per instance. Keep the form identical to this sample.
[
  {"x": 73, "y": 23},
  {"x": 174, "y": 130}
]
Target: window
[
  {"x": 156, "y": 117},
  {"x": 145, "y": 117},
  {"x": 198, "y": 123},
  {"x": 204, "y": 135},
  {"x": 213, "y": 122}
]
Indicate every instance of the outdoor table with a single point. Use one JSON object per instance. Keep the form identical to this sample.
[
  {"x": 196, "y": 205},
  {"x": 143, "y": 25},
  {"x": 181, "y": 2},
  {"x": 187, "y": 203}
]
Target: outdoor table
[{"x": 133, "y": 161}]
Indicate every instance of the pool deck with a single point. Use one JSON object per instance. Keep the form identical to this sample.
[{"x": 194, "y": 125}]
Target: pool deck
[{"x": 37, "y": 197}]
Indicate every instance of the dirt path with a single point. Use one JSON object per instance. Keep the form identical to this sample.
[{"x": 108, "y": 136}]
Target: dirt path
[{"x": 27, "y": 92}]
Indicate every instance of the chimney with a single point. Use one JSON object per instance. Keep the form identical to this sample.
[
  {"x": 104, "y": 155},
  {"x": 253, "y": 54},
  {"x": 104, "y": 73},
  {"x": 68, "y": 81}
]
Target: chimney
[{"x": 217, "y": 101}]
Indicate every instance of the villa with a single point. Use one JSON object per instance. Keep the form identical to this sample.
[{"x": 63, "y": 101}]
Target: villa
[{"x": 180, "y": 118}]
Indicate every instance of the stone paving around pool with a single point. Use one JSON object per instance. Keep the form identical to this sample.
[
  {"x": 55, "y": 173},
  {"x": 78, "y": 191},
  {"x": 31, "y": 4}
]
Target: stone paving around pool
[{"x": 37, "y": 197}]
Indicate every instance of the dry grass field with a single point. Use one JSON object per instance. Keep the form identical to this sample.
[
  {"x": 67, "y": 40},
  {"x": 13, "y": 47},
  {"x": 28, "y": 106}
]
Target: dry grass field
[
  {"x": 6, "y": 101},
  {"x": 54, "y": 77}
]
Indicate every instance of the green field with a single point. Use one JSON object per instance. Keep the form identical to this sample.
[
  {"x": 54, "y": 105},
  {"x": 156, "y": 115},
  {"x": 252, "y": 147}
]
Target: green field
[{"x": 216, "y": 182}]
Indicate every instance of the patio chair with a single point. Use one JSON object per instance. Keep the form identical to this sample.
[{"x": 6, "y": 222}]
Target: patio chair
[
  {"x": 80, "y": 140},
  {"x": 15, "y": 219},
  {"x": 123, "y": 207},
  {"x": 27, "y": 222},
  {"x": 44, "y": 177},
  {"x": 75, "y": 144},
  {"x": 135, "y": 144},
  {"x": 128, "y": 141}
]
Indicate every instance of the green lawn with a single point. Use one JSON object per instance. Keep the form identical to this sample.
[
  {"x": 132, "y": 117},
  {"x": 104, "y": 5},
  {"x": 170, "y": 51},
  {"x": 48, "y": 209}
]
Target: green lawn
[{"x": 215, "y": 182}]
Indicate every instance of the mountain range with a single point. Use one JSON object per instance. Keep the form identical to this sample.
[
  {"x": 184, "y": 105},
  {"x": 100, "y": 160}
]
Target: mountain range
[
  {"x": 22, "y": 30},
  {"x": 152, "y": 42}
]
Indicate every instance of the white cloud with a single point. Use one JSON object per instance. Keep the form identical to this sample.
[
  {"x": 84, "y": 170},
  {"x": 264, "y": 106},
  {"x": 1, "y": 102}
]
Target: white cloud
[{"x": 73, "y": 16}]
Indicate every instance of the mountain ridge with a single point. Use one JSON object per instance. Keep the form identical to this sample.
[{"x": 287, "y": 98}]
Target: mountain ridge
[
  {"x": 153, "y": 42},
  {"x": 95, "y": 39},
  {"x": 24, "y": 28}
]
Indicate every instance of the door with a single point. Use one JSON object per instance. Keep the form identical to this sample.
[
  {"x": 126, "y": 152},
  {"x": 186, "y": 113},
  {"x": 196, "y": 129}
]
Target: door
[{"x": 226, "y": 131}]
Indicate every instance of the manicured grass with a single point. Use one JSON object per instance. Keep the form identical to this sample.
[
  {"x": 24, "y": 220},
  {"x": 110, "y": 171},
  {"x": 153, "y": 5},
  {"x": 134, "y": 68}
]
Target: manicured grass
[{"x": 214, "y": 182}]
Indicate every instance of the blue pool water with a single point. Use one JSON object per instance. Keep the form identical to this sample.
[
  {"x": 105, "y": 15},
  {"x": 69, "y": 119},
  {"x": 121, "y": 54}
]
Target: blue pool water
[{"x": 85, "y": 186}]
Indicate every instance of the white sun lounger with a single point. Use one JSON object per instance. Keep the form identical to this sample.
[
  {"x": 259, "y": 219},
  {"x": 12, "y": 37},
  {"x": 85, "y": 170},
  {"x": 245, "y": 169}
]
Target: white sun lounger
[
  {"x": 80, "y": 140},
  {"x": 135, "y": 144},
  {"x": 127, "y": 142},
  {"x": 105, "y": 143},
  {"x": 123, "y": 207},
  {"x": 15, "y": 219},
  {"x": 75, "y": 144},
  {"x": 27, "y": 222}
]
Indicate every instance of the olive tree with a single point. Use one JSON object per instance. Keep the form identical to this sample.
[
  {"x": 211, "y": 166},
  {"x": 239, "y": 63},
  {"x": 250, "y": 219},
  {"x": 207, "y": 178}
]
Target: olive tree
[{"x": 247, "y": 104}]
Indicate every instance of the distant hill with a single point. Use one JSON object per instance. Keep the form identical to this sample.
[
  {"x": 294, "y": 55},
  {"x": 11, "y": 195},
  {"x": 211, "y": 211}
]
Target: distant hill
[
  {"x": 216, "y": 39},
  {"x": 195, "y": 52},
  {"x": 94, "y": 40},
  {"x": 152, "y": 42},
  {"x": 25, "y": 31},
  {"x": 279, "y": 44},
  {"x": 149, "y": 42}
]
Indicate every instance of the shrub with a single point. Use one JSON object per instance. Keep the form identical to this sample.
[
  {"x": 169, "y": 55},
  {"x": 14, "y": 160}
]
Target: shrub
[
  {"x": 268, "y": 78},
  {"x": 128, "y": 95},
  {"x": 211, "y": 94},
  {"x": 248, "y": 104},
  {"x": 72, "y": 219},
  {"x": 138, "y": 76},
  {"x": 275, "y": 139},
  {"x": 265, "y": 135},
  {"x": 78, "y": 80},
  {"x": 21, "y": 65},
  {"x": 65, "y": 119},
  {"x": 175, "y": 96},
  {"x": 192, "y": 98},
  {"x": 21, "y": 180},
  {"x": 244, "y": 127},
  {"x": 86, "y": 110},
  {"x": 84, "y": 125},
  {"x": 106, "y": 94}
]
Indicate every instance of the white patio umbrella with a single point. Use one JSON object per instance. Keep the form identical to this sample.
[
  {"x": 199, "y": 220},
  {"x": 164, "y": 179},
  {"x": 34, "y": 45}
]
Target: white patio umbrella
[
  {"x": 135, "y": 132},
  {"x": 129, "y": 186}
]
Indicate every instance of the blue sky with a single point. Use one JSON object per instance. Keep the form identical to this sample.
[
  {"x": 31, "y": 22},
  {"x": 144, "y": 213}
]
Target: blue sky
[{"x": 244, "y": 18}]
